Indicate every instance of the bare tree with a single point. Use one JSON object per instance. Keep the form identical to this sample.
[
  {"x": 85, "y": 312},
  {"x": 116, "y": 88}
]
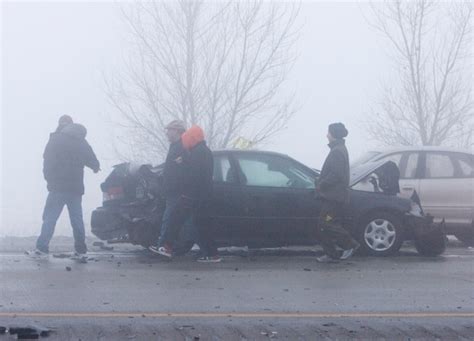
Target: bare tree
[
  {"x": 219, "y": 65},
  {"x": 430, "y": 101}
]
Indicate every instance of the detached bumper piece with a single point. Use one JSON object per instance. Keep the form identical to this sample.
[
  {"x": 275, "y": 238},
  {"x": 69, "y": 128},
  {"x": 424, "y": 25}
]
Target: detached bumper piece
[{"x": 430, "y": 238}]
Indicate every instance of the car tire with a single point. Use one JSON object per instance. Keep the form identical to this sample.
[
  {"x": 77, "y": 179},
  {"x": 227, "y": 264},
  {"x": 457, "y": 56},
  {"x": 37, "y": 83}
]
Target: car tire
[
  {"x": 380, "y": 234},
  {"x": 467, "y": 237}
]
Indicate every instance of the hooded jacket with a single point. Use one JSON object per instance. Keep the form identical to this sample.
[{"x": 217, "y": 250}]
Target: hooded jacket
[
  {"x": 64, "y": 158},
  {"x": 333, "y": 182},
  {"x": 200, "y": 162}
]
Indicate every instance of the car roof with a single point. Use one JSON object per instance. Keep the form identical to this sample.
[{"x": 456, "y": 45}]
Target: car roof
[
  {"x": 249, "y": 151},
  {"x": 388, "y": 150}
]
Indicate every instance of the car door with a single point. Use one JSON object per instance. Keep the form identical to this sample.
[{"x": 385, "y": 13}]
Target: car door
[
  {"x": 226, "y": 207},
  {"x": 278, "y": 199},
  {"x": 444, "y": 191}
]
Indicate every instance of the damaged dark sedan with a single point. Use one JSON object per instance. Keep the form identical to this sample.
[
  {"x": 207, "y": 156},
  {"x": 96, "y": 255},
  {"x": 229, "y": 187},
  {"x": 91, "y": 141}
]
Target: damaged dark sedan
[{"x": 265, "y": 199}]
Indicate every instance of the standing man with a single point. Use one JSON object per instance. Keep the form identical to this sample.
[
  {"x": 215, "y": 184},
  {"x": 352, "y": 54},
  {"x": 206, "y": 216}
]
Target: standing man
[
  {"x": 174, "y": 184},
  {"x": 201, "y": 167},
  {"x": 193, "y": 205},
  {"x": 65, "y": 156},
  {"x": 333, "y": 187}
]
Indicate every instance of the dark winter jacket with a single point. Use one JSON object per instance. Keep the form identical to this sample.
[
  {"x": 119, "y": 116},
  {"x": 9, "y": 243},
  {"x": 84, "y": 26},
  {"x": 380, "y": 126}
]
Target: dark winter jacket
[
  {"x": 65, "y": 155},
  {"x": 200, "y": 165},
  {"x": 333, "y": 182},
  {"x": 174, "y": 173}
]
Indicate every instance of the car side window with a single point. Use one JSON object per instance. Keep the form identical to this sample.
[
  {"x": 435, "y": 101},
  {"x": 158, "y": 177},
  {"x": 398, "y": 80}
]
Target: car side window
[
  {"x": 466, "y": 164},
  {"x": 269, "y": 171},
  {"x": 411, "y": 166},
  {"x": 438, "y": 165},
  {"x": 223, "y": 171}
]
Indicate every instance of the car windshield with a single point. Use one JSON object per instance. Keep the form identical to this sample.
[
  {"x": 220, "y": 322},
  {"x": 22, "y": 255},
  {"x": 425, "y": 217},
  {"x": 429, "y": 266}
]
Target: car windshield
[{"x": 364, "y": 158}]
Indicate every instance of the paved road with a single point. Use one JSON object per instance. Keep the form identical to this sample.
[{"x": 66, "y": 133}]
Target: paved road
[{"x": 282, "y": 294}]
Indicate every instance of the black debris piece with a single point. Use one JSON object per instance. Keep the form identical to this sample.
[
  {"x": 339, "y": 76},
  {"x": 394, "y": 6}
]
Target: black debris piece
[
  {"x": 31, "y": 336},
  {"x": 15, "y": 330},
  {"x": 68, "y": 268},
  {"x": 306, "y": 269},
  {"x": 330, "y": 324},
  {"x": 99, "y": 244},
  {"x": 61, "y": 255},
  {"x": 106, "y": 248}
]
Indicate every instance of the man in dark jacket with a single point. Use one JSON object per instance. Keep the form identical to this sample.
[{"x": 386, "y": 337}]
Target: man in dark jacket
[
  {"x": 174, "y": 183},
  {"x": 193, "y": 204},
  {"x": 201, "y": 167},
  {"x": 65, "y": 156},
  {"x": 333, "y": 188}
]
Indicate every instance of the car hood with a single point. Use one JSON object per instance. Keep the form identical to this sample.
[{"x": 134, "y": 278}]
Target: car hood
[{"x": 362, "y": 171}]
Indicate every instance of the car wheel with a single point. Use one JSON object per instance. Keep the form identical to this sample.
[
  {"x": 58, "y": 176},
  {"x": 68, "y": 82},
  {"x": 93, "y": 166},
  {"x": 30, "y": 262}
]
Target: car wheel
[
  {"x": 380, "y": 234},
  {"x": 467, "y": 237}
]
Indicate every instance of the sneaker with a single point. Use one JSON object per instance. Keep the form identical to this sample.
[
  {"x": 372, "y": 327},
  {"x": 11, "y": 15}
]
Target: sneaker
[
  {"x": 326, "y": 259},
  {"x": 36, "y": 253},
  {"x": 209, "y": 259},
  {"x": 162, "y": 250},
  {"x": 349, "y": 252}
]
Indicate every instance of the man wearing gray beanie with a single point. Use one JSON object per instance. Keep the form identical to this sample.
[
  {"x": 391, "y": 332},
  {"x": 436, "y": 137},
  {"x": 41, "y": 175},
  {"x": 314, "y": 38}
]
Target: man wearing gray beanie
[{"x": 333, "y": 188}]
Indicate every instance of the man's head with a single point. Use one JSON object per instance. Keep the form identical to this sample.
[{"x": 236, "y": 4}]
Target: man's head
[
  {"x": 336, "y": 131},
  {"x": 63, "y": 121},
  {"x": 174, "y": 130}
]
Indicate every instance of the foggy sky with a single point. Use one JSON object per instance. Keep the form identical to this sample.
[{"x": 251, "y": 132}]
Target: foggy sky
[{"x": 53, "y": 57}]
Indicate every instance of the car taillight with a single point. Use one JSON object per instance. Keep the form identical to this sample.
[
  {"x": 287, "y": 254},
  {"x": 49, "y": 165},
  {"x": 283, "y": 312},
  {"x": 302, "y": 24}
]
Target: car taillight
[{"x": 113, "y": 193}]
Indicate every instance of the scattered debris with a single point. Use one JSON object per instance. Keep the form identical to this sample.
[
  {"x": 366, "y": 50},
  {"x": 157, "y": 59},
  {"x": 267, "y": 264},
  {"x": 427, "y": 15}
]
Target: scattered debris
[
  {"x": 198, "y": 279},
  {"x": 106, "y": 248},
  {"x": 286, "y": 290},
  {"x": 61, "y": 255},
  {"x": 99, "y": 244},
  {"x": 330, "y": 324},
  {"x": 30, "y": 332},
  {"x": 306, "y": 269},
  {"x": 236, "y": 269},
  {"x": 185, "y": 327},
  {"x": 68, "y": 268}
]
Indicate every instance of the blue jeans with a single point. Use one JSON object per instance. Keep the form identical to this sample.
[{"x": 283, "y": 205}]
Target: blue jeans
[
  {"x": 187, "y": 234},
  {"x": 52, "y": 210}
]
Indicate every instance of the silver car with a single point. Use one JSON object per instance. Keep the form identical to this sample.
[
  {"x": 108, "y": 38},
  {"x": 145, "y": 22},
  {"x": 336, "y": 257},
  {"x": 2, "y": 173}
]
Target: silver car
[{"x": 442, "y": 177}]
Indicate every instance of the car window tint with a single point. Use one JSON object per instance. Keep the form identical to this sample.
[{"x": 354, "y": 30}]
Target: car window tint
[
  {"x": 466, "y": 164},
  {"x": 272, "y": 171},
  {"x": 223, "y": 172},
  {"x": 411, "y": 166},
  {"x": 438, "y": 166}
]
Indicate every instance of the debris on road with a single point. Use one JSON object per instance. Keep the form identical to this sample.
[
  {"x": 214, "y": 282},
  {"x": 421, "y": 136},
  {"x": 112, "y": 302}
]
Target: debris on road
[
  {"x": 99, "y": 244},
  {"x": 306, "y": 269},
  {"x": 106, "y": 248},
  {"x": 68, "y": 268},
  {"x": 61, "y": 255},
  {"x": 29, "y": 332}
]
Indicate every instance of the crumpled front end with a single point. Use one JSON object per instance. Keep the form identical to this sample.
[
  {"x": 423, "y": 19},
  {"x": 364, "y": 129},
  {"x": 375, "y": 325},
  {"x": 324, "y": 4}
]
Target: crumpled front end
[{"x": 430, "y": 238}]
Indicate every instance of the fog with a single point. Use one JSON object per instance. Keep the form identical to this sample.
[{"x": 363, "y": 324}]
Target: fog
[{"x": 54, "y": 55}]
